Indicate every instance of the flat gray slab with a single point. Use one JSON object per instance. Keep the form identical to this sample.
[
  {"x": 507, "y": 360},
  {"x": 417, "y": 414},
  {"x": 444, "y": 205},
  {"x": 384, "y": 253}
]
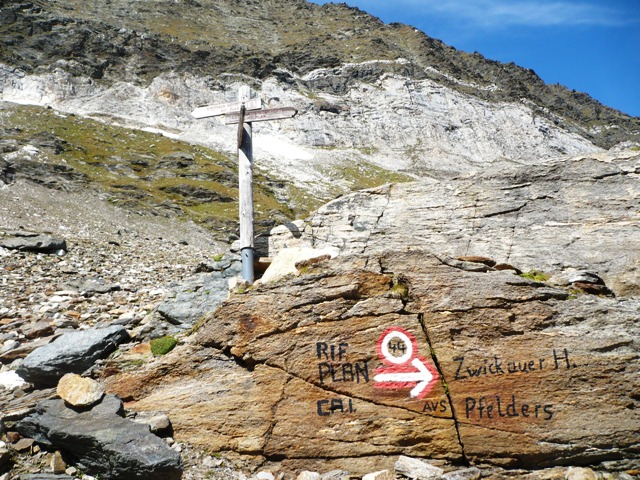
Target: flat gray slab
[
  {"x": 73, "y": 352},
  {"x": 107, "y": 444},
  {"x": 34, "y": 243}
]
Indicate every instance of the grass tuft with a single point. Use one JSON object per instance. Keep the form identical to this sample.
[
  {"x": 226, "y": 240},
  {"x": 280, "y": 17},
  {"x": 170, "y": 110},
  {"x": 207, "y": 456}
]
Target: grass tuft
[{"x": 163, "y": 345}]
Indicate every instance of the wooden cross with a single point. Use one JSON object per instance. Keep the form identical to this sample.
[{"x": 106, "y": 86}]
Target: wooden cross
[{"x": 244, "y": 112}]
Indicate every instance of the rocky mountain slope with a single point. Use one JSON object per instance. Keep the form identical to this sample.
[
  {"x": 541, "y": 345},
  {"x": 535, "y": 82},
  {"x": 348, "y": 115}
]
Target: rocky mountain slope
[
  {"x": 519, "y": 289},
  {"x": 376, "y": 102},
  {"x": 480, "y": 319},
  {"x": 248, "y": 379},
  {"x": 145, "y": 172},
  {"x": 122, "y": 41}
]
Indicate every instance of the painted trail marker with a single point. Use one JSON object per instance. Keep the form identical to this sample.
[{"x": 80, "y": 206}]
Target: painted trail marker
[
  {"x": 244, "y": 112},
  {"x": 404, "y": 370}
]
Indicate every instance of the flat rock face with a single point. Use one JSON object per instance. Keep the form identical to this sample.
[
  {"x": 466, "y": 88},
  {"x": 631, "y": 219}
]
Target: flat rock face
[
  {"x": 403, "y": 353},
  {"x": 581, "y": 213},
  {"x": 535, "y": 376},
  {"x": 213, "y": 401},
  {"x": 34, "y": 243}
]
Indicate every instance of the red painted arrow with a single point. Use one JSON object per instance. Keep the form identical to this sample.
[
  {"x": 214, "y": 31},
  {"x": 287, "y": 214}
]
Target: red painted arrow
[
  {"x": 406, "y": 371},
  {"x": 421, "y": 377}
]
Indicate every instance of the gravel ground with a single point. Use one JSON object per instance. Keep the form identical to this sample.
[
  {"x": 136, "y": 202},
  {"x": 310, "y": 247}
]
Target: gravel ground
[
  {"x": 132, "y": 259},
  {"x": 127, "y": 260}
]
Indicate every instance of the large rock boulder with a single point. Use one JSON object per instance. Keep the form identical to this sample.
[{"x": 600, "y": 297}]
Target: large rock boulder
[
  {"x": 73, "y": 352},
  {"x": 405, "y": 353},
  {"x": 422, "y": 339},
  {"x": 107, "y": 444},
  {"x": 200, "y": 294},
  {"x": 34, "y": 242},
  {"x": 579, "y": 213}
]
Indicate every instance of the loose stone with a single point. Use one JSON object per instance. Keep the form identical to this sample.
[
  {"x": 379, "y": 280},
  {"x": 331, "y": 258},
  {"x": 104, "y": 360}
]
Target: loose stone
[{"x": 79, "y": 391}]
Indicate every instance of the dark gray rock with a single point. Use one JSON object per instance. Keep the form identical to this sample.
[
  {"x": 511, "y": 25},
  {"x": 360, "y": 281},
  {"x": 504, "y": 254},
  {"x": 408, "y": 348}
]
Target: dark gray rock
[
  {"x": 196, "y": 195},
  {"x": 5, "y": 458},
  {"x": 7, "y": 171},
  {"x": 26, "y": 164},
  {"x": 107, "y": 444},
  {"x": 8, "y": 145},
  {"x": 34, "y": 243},
  {"x": 43, "y": 476},
  {"x": 91, "y": 286},
  {"x": 198, "y": 295},
  {"x": 109, "y": 405},
  {"x": 73, "y": 352},
  {"x": 177, "y": 160},
  {"x": 47, "y": 140}
]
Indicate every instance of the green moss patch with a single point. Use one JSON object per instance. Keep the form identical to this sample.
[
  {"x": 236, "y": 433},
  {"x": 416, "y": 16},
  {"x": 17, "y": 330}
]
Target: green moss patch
[
  {"x": 163, "y": 345},
  {"x": 536, "y": 276},
  {"x": 147, "y": 172}
]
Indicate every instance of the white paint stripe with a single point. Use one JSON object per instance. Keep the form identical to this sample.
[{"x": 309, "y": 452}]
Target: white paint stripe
[{"x": 423, "y": 376}]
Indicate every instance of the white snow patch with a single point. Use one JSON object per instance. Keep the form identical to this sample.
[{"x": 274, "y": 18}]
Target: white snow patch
[
  {"x": 280, "y": 148},
  {"x": 11, "y": 380},
  {"x": 30, "y": 149},
  {"x": 162, "y": 132}
]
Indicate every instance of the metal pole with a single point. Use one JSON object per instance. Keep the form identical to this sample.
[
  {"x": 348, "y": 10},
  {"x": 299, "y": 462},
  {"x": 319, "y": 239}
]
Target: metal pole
[{"x": 245, "y": 180}]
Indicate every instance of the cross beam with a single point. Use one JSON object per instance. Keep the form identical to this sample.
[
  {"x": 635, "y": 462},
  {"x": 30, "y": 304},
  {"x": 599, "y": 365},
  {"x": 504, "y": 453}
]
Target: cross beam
[{"x": 244, "y": 112}]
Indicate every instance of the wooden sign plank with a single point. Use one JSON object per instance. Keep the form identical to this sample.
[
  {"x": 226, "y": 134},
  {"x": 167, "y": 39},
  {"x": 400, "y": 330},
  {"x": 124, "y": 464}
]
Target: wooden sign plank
[
  {"x": 222, "y": 108},
  {"x": 260, "y": 115}
]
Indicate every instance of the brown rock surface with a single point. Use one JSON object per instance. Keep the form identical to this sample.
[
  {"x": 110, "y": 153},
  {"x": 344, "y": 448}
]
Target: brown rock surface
[
  {"x": 536, "y": 377},
  {"x": 79, "y": 391},
  {"x": 521, "y": 373},
  {"x": 212, "y": 401},
  {"x": 58, "y": 465}
]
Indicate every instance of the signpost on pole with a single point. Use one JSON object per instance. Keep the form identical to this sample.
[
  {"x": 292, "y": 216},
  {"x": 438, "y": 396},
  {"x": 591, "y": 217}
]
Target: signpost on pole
[
  {"x": 244, "y": 112},
  {"x": 221, "y": 109}
]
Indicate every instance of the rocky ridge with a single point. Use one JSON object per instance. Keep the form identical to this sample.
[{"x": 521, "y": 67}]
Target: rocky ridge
[
  {"x": 377, "y": 103},
  {"x": 393, "y": 128},
  {"x": 579, "y": 213},
  {"x": 212, "y": 38}
]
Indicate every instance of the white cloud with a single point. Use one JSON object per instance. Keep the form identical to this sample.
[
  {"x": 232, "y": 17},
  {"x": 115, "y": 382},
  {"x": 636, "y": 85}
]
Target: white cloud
[{"x": 509, "y": 13}]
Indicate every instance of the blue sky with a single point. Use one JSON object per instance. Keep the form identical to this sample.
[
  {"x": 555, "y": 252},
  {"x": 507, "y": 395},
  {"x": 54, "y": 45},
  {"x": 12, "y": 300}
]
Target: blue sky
[{"x": 588, "y": 45}]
